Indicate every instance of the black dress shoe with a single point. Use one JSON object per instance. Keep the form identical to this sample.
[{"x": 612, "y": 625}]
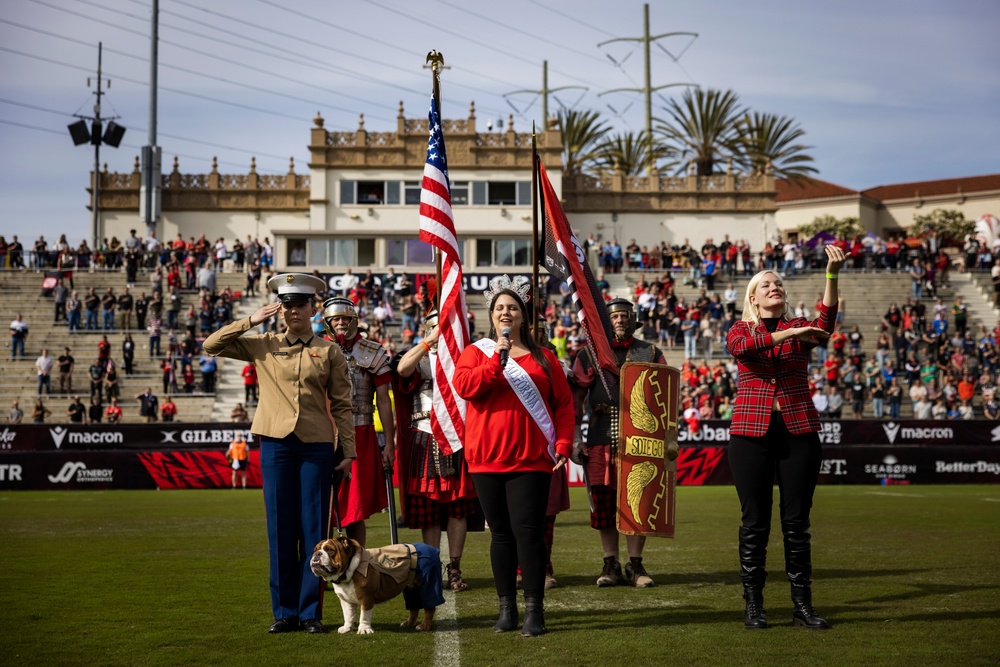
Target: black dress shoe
[
  {"x": 284, "y": 625},
  {"x": 313, "y": 626}
]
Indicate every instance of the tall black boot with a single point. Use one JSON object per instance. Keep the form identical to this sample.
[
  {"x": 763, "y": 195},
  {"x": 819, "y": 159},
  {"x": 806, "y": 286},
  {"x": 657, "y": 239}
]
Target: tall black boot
[
  {"x": 798, "y": 567},
  {"x": 753, "y": 574},
  {"x": 534, "y": 617},
  {"x": 507, "y": 619}
]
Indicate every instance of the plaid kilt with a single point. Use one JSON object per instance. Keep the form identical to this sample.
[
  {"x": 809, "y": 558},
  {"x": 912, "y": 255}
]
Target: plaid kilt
[
  {"x": 425, "y": 512},
  {"x": 605, "y": 509}
]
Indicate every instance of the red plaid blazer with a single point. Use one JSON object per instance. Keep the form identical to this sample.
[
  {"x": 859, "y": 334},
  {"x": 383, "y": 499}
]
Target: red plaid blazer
[{"x": 766, "y": 371}]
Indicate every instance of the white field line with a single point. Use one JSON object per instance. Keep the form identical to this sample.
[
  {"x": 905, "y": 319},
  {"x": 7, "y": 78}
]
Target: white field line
[
  {"x": 447, "y": 652},
  {"x": 894, "y": 495}
]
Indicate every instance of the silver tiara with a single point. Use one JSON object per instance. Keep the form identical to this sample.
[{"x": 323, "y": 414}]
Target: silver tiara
[{"x": 520, "y": 284}]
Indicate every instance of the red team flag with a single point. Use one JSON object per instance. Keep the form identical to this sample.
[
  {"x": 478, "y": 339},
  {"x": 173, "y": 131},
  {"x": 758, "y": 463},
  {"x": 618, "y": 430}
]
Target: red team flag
[
  {"x": 564, "y": 258},
  {"x": 438, "y": 228}
]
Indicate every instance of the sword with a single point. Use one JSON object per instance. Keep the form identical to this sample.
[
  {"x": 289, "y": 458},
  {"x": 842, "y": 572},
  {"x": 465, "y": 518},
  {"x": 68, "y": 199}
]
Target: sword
[
  {"x": 586, "y": 481},
  {"x": 391, "y": 493}
]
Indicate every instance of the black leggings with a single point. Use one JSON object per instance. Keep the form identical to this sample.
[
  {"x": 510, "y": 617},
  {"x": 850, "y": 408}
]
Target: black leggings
[
  {"x": 790, "y": 460},
  {"x": 514, "y": 504}
]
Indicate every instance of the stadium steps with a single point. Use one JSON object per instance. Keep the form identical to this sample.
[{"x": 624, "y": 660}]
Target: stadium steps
[{"x": 23, "y": 293}]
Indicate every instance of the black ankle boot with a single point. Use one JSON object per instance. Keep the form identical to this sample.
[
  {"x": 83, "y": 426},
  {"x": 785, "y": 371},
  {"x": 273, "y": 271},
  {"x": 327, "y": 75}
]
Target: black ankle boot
[
  {"x": 803, "y": 614},
  {"x": 754, "y": 616},
  {"x": 507, "y": 619},
  {"x": 534, "y": 618}
]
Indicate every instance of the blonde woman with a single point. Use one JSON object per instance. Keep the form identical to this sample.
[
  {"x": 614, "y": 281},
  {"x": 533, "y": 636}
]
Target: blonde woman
[{"x": 774, "y": 433}]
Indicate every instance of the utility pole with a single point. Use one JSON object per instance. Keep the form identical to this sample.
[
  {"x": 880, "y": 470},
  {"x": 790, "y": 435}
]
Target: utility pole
[
  {"x": 150, "y": 190},
  {"x": 112, "y": 136},
  {"x": 545, "y": 92},
  {"x": 648, "y": 89}
]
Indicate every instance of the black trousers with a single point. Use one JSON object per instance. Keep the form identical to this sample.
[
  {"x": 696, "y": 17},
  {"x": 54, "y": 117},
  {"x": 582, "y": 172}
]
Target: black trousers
[
  {"x": 791, "y": 461},
  {"x": 514, "y": 505}
]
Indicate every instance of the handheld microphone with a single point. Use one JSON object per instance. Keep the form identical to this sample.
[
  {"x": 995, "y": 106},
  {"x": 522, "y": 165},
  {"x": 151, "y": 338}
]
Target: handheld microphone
[{"x": 505, "y": 332}]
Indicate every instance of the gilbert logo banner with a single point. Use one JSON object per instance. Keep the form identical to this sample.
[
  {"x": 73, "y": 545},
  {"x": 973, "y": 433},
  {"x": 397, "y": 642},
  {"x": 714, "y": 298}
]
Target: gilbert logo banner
[{"x": 647, "y": 449}]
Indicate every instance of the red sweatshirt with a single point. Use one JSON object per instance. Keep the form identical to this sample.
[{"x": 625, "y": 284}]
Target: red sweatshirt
[{"x": 500, "y": 434}]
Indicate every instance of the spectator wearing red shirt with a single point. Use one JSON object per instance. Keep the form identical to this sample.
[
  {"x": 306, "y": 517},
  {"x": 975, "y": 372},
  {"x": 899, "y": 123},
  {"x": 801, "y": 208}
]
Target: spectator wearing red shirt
[
  {"x": 168, "y": 410},
  {"x": 774, "y": 430},
  {"x": 114, "y": 412},
  {"x": 511, "y": 463},
  {"x": 250, "y": 384}
]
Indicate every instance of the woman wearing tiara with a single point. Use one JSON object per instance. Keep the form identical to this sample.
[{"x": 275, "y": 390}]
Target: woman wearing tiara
[{"x": 519, "y": 428}]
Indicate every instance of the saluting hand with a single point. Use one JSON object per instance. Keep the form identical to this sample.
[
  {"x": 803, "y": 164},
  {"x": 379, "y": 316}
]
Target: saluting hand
[
  {"x": 836, "y": 259},
  {"x": 265, "y": 313}
]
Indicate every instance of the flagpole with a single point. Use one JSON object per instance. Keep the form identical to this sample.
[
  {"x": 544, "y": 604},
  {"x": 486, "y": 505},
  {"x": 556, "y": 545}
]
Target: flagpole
[
  {"x": 436, "y": 60},
  {"x": 534, "y": 234}
]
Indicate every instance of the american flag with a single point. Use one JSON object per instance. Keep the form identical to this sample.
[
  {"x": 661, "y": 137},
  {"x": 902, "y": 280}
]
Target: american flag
[
  {"x": 565, "y": 259},
  {"x": 438, "y": 228}
]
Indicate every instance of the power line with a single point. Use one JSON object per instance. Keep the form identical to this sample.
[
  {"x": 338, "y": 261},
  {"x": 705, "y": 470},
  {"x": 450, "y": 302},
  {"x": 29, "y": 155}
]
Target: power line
[
  {"x": 202, "y": 74},
  {"x": 466, "y": 38},
  {"x": 514, "y": 29},
  {"x": 125, "y": 144},
  {"x": 299, "y": 38},
  {"x": 145, "y": 83}
]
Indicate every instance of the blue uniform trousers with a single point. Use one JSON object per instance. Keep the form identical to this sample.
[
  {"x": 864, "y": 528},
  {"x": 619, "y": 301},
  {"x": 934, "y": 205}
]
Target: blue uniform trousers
[{"x": 296, "y": 501}]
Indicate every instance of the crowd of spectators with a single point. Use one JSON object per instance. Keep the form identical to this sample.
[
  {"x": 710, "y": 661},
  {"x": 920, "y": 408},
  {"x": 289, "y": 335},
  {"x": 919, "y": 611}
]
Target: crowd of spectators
[{"x": 923, "y": 352}]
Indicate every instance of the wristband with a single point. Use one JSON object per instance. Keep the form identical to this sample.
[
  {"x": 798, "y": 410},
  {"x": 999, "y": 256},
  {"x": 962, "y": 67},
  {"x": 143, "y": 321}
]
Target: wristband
[
  {"x": 425, "y": 346},
  {"x": 832, "y": 276}
]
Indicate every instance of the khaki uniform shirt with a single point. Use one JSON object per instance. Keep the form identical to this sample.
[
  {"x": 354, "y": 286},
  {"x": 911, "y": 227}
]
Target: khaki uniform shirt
[{"x": 302, "y": 383}]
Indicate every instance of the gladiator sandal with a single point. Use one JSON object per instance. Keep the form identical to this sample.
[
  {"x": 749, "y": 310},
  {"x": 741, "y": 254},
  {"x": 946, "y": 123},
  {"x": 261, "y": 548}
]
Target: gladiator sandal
[{"x": 455, "y": 581}]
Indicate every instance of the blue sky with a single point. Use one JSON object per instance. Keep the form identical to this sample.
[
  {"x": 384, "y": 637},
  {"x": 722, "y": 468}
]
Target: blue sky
[{"x": 887, "y": 92}]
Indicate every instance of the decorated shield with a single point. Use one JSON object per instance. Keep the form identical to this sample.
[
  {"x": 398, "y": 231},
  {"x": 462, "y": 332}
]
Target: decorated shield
[{"x": 647, "y": 449}]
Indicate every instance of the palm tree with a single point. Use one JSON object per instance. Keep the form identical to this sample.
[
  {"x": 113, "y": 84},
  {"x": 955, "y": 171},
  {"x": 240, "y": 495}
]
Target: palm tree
[
  {"x": 582, "y": 131},
  {"x": 704, "y": 127},
  {"x": 628, "y": 153},
  {"x": 768, "y": 138}
]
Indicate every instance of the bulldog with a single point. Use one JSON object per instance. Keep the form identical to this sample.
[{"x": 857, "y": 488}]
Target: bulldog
[{"x": 367, "y": 577}]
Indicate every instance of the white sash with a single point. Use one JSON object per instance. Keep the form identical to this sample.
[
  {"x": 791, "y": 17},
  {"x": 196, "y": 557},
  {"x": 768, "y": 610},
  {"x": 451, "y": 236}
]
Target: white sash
[{"x": 528, "y": 393}]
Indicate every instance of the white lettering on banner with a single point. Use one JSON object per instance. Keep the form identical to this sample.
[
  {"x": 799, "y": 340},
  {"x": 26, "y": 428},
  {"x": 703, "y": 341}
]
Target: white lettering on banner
[
  {"x": 97, "y": 438},
  {"x": 830, "y": 433},
  {"x": 963, "y": 466},
  {"x": 890, "y": 468},
  {"x": 704, "y": 434},
  {"x": 10, "y": 472},
  {"x": 7, "y": 438},
  {"x": 927, "y": 434},
  {"x": 995, "y": 434},
  {"x": 574, "y": 473},
  {"x": 82, "y": 473},
  {"x": 223, "y": 436},
  {"x": 833, "y": 467}
]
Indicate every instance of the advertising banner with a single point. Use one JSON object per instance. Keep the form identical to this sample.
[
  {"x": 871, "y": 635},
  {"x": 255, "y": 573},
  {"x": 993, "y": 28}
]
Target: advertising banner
[{"x": 190, "y": 456}]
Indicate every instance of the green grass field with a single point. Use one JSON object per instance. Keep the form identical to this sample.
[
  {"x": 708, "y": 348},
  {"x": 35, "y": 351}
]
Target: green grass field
[{"x": 906, "y": 575}]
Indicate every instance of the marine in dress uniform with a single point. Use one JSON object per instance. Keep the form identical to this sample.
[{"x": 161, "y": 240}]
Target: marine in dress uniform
[
  {"x": 602, "y": 435},
  {"x": 300, "y": 375},
  {"x": 438, "y": 486},
  {"x": 370, "y": 378}
]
